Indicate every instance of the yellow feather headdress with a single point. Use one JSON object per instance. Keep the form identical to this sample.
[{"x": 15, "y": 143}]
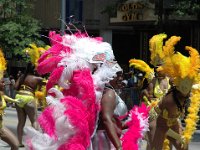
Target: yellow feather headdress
[
  {"x": 184, "y": 70},
  {"x": 2, "y": 64},
  {"x": 158, "y": 51},
  {"x": 156, "y": 48},
  {"x": 142, "y": 66},
  {"x": 168, "y": 48},
  {"x": 35, "y": 52}
]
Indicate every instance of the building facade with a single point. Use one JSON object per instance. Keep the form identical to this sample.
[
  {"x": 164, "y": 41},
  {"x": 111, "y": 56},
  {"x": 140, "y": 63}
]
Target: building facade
[{"x": 128, "y": 26}]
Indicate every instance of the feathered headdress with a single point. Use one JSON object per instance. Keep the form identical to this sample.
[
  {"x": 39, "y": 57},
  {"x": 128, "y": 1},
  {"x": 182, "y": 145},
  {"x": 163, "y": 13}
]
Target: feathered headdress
[
  {"x": 35, "y": 52},
  {"x": 142, "y": 66},
  {"x": 156, "y": 48},
  {"x": 2, "y": 64},
  {"x": 182, "y": 69},
  {"x": 158, "y": 51},
  {"x": 168, "y": 48}
]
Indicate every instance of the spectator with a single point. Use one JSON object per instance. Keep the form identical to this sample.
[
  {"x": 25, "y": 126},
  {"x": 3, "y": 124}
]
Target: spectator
[{"x": 12, "y": 84}]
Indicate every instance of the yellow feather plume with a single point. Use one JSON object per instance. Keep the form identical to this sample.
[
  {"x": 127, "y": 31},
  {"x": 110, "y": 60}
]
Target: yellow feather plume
[
  {"x": 2, "y": 64},
  {"x": 142, "y": 66},
  {"x": 35, "y": 52},
  {"x": 182, "y": 69},
  {"x": 192, "y": 117},
  {"x": 168, "y": 48},
  {"x": 194, "y": 61},
  {"x": 156, "y": 48}
]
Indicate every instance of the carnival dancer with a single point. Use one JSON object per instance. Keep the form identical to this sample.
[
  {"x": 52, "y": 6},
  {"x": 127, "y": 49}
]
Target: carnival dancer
[
  {"x": 26, "y": 86},
  {"x": 81, "y": 66},
  {"x": 160, "y": 84},
  {"x": 40, "y": 93},
  {"x": 5, "y": 134},
  {"x": 112, "y": 106},
  {"x": 184, "y": 71}
]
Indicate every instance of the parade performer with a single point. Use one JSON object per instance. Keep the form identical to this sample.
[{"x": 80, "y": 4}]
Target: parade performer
[
  {"x": 159, "y": 85},
  {"x": 112, "y": 106},
  {"x": 26, "y": 85},
  {"x": 5, "y": 134},
  {"x": 81, "y": 66},
  {"x": 40, "y": 93},
  {"x": 158, "y": 88},
  {"x": 184, "y": 71}
]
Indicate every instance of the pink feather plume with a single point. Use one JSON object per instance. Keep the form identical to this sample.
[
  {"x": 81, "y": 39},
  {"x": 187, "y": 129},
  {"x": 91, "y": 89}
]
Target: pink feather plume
[
  {"x": 48, "y": 65},
  {"x": 47, "y": 122},
  {"x": 137, "y": 123},
  {"x": 54, "y": 77}
]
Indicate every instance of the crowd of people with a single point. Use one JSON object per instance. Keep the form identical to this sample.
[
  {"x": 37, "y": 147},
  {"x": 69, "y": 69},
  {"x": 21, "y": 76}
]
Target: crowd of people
[{"x": 87, "y": 105}]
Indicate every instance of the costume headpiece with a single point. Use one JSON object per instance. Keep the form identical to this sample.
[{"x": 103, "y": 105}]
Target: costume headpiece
[
  {"x": 156, "y": 49},
  {"x": 2, "y": 64},
  {"x": 142, "y": 66},
  {"x": 115, "y": 66},
  {"x": 35, "y": 52},
  {"x": 182, "y": 69}
]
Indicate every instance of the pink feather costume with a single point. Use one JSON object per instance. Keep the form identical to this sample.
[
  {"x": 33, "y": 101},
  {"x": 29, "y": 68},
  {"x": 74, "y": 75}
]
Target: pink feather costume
[{"x": 70, "y": 120}]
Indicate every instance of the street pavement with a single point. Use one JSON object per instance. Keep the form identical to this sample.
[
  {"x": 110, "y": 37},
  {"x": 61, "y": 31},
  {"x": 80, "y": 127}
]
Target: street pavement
[{"x": 10, "y": 121}]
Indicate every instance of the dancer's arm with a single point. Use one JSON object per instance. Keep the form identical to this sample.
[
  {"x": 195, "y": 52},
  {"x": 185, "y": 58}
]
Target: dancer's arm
[
  {"x": 9, "y": 99},
  {"x": 177, "y": 137},
  {"x": 108, "y": 105}
]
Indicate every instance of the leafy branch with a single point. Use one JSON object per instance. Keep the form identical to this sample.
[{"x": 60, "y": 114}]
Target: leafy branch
[{"x": 187, "y": 7}]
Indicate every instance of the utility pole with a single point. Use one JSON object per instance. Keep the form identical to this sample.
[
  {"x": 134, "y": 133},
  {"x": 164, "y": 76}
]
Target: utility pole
[
  {"x": 63, "y": 16},
  {"x": 160, "y": 15}
]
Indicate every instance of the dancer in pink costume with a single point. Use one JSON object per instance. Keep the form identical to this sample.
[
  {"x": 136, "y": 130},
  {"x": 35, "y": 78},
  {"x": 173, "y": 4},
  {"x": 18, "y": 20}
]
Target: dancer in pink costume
[{"x": 81, "y": 66}]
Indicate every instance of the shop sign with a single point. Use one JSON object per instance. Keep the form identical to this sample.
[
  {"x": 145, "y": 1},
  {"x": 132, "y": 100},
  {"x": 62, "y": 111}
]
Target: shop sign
[
  {"x": 131, "y": 11},
  {"x": 135, "y": 11}
]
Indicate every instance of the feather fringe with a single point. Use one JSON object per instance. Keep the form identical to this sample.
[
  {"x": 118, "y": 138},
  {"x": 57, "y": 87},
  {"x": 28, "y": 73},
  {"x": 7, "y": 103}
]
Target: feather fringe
[{"x": 137, "y": 125}]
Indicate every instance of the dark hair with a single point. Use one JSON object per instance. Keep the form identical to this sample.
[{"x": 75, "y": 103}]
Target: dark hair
[
  {"x": 29, "y": 70},
  {"x": 175, "y": 98},
  {"x": 145, "y": 84}
]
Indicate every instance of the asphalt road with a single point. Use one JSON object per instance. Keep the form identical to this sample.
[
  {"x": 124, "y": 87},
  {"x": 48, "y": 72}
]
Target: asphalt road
[{"x": 10, "y": 121}]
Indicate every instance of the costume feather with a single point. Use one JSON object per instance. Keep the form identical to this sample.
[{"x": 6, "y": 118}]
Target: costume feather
[
  {"x": 137, "y": 126},
  {"x": 142, "y": 66},
  {"x": 48, "y": 65},
  {"x": 2, "y": 64},
  {"x": 168, "y": 48},
  {"x": 194, "y": 60},
  {"x": 156, "y": 48},
  {"x": 54, "y": 77},
  {"x": 47, "y": 122}
]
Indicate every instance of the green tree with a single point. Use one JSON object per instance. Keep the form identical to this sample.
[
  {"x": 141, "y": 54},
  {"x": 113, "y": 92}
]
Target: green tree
[
  {"x": 187, "y": 7},
  {"x": 17, "y": 27}
]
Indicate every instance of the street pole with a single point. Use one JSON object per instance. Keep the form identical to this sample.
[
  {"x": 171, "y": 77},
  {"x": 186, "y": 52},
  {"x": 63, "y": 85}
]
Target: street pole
[
  {"x": 63, "y": 16},
  {"x": 160, "y": 16}
]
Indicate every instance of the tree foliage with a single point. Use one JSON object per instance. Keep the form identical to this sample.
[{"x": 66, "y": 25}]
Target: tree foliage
[
  {"x": 187, "y": 7},
  {"x": 17, "y": 28}
]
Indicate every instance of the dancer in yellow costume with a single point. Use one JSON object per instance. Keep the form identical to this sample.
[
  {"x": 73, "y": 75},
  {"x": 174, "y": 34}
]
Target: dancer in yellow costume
[
  {"x": 184, "y": 71},
  {"x": 159, "y": 85},
  {"x": 5, "y": 134},
  {"x": 26, "y": 86}
]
